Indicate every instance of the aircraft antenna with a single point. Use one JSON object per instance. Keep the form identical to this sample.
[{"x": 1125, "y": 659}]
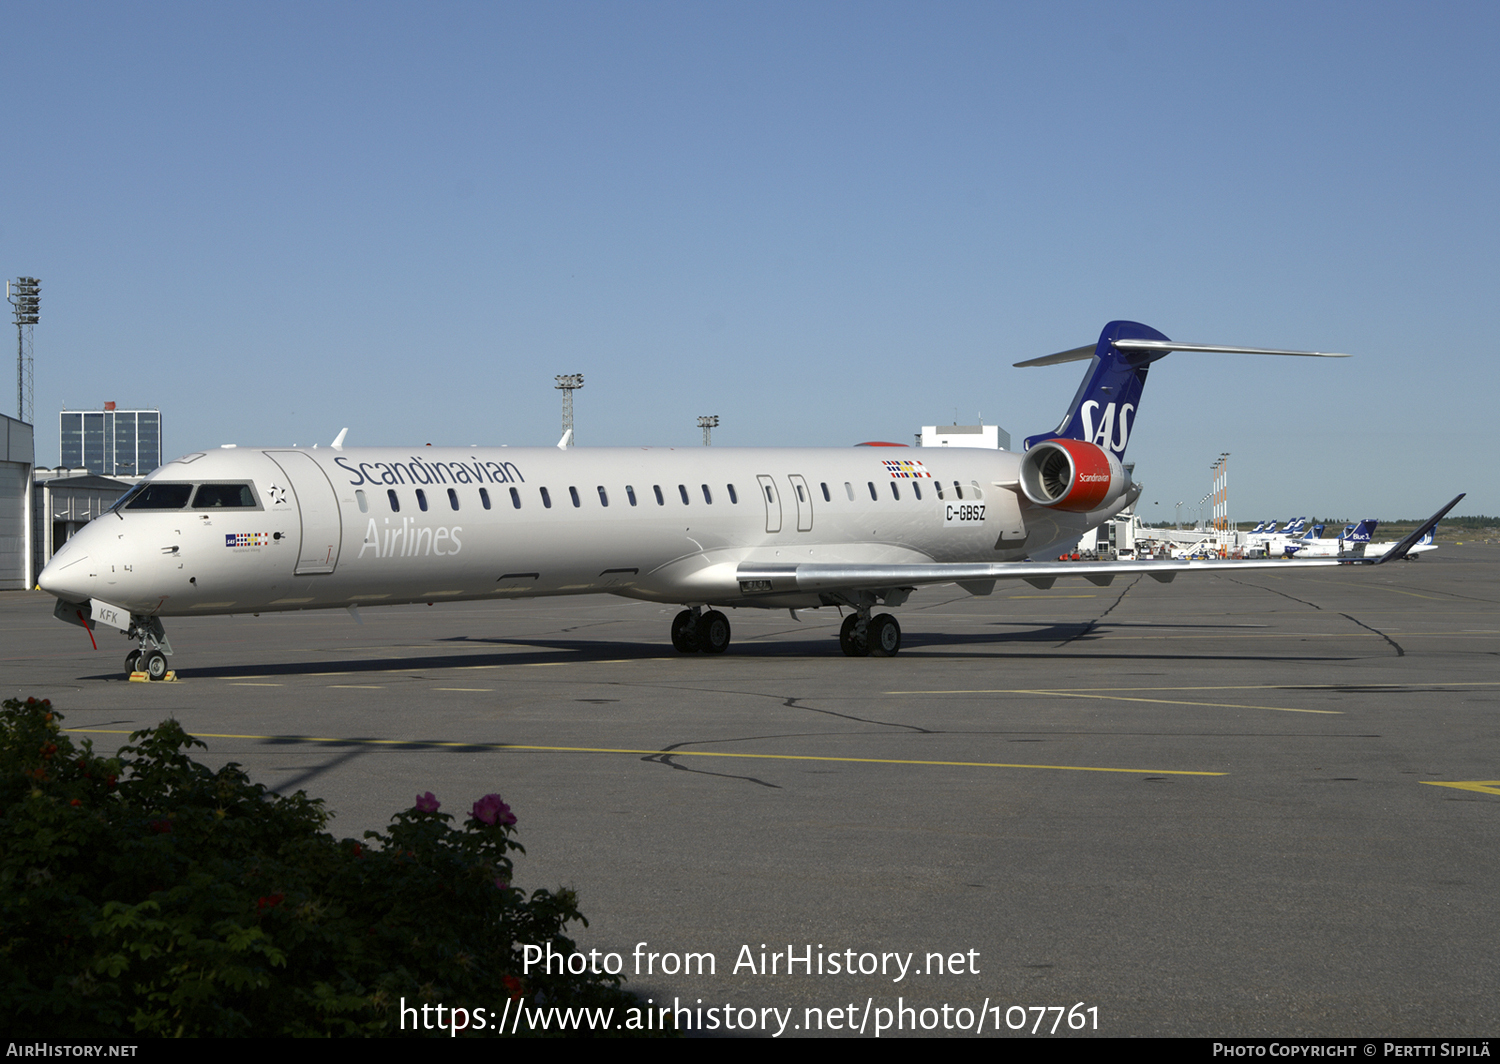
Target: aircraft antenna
[
  {"x": 24, "y": 294},
  {"x": 568, "y": 383},
  {"x": 708, "y": 422}
]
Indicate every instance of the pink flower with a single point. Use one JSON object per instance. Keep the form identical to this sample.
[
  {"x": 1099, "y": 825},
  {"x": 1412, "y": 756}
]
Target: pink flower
[
  {"x": 427, "y": 803},
  {"x": 501, "y": 884},
  {"x": 491, "y": 810}
]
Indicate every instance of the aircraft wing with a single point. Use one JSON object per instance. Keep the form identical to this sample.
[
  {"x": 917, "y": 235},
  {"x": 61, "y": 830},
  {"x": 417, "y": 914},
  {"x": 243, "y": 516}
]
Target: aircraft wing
[{"x": 980, "y": 577}]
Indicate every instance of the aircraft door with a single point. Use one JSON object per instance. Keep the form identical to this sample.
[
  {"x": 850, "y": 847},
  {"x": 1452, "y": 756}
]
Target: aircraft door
[
  {"x": 772, "y": 499},
  {"x": 318, "y": 505},
  {"x": 804, "y": 502}
]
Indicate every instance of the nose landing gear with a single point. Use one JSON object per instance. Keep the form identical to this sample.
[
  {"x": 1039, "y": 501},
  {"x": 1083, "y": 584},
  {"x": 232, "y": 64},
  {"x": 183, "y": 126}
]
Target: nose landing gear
[{"x": 151, "y": 658}]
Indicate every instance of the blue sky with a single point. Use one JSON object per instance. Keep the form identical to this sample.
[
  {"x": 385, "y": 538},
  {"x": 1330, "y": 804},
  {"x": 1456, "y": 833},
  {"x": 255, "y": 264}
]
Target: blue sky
[{"x": 825, "y": 223}]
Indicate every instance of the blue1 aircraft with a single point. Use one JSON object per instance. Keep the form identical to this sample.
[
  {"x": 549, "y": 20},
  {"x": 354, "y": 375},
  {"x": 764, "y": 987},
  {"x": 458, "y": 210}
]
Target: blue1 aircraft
[{"x": 241, "y": 530}]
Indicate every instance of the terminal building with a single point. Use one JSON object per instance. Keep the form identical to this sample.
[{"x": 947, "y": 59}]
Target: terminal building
[
  {"x": 17, "y": 461},
  {"x": 110, "y": 442}
]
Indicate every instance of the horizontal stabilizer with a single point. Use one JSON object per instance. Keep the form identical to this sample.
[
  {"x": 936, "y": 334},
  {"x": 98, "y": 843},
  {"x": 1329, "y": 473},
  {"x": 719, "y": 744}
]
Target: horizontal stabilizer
[
  {"x": 1078, "y": 354},
  {"x": 1222, "y": 349}
]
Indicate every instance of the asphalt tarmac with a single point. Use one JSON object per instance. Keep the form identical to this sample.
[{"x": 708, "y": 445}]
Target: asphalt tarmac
[{"x": 1265, "y": 804}]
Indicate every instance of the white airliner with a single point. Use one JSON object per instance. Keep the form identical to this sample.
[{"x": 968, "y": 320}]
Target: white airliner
[{"x": 242, "y": 530}]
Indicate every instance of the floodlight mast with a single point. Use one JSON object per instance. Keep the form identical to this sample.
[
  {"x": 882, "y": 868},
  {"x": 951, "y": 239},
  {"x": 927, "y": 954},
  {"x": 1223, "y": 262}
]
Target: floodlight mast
[
  {"x": 568, "y": 383},
  {"x": 708, "y": 423},
  {"x": 24, "y": 295}
]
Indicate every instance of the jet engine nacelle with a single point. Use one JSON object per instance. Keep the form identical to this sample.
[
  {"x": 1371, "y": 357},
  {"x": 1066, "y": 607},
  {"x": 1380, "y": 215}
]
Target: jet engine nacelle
[{"x": 1072, "y": 475}]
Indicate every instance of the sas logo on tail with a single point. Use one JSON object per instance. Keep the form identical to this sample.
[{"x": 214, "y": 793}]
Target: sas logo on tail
[{"x": 1112, "y": 433}]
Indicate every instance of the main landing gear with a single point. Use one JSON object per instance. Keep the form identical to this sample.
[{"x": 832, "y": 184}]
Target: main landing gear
[
  {"x": 151, "y": 658},
  {"x": 863, "y": 636},
  {"x": 693, "y": 630}
]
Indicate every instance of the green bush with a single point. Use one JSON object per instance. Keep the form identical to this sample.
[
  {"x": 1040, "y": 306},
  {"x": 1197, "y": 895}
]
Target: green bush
[{"x": 146, "y": 893}]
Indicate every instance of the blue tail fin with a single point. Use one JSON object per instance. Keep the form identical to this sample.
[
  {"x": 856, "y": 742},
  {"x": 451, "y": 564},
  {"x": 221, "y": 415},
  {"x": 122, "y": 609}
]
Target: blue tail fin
[
  {"x": 1362, "y": 531},
  {"x": 1103, "y": 411}
]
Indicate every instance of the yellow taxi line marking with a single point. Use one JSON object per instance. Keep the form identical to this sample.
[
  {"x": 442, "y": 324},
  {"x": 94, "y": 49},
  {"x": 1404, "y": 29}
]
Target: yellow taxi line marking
[
  {"x": 463, "y": 688},
  {"x": 1373, "y": 688},
  {"x": 1100, "y": 693},
  {"x": 1483, "y": 786},
  {"x": 673, "y": 753},
  {"x": 1181, "y": 702},
  {"x": 355, "y": 687},
  {"x": 1049, "y": 596},
  {"x": 243, "y": 683}
]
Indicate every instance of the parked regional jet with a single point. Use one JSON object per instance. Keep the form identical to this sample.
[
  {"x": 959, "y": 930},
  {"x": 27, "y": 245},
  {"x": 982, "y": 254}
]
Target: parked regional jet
[{"x": 241, "y": 530}]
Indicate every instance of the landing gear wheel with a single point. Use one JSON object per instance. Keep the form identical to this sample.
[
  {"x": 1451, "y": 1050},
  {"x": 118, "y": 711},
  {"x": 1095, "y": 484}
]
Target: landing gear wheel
[
  {"x": 684, "y": 632},
  {"x": 849, "y": 640},
  {"x": 885, "y": 636},
  {"x": 132, "y": 661},
  {"x": 154, "y": 664},
  {"x": 713, "y": 632}
]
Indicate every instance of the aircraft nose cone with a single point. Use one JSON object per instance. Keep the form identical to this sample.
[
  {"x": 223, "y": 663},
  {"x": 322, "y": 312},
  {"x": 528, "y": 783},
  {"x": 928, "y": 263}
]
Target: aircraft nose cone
[{"x": 68, "y": 575}]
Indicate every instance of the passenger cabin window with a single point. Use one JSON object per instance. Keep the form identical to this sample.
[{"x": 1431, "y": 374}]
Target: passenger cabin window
[
  {"x": 574, "y": 493},
  {"x": 660, "y": 499},
  {"x": 826, "y": 497},
  {"x": 515, "y": 498},
  {"x": 706, "y": 496},
  {"x": 939, "y": 485},
  {"x": 958, "y": 490},
  {"x": 421, "y": 500},
  {"x": 769, "y": 496},
  {"x": 682, "y": 490},
  {"x": 917, "y": 490},
  {"x": 546, "y": 498},
  {"x": 801, "y": 495},
  {"x": 484, "y": 497},
  {"x": 603, "y": 497},
  {"x": 453, "y": 498},
  {"x": 630, "y": 494},
  {"x": 390, "y": 493},
  {"x": 895, "y": 491},
  {"x": 359, "y": 496},
  {"x": 872, "y": 490},
  {"x": 849, "y": 490},
  {"x": 161, "y": 497},
  {"x": 215, "y": 496},
  {"x": 733, "y": 498}
]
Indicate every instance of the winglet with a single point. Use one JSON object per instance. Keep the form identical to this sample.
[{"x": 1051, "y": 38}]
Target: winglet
[
  {"x": 338, "y": 441},
  {"x": 1399, "y": 550}
]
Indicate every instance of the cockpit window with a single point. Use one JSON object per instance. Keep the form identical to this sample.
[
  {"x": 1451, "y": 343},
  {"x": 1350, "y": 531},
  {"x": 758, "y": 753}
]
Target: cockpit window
[
  {"x": 159, "y": 496},
  {"x": 217, "y": 496}
]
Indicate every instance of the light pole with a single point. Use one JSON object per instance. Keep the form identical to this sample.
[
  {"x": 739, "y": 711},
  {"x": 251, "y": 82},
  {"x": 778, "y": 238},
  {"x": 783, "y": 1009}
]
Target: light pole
[
  {"x": 568, "y": 383},
  {"x": 24, "y": 294},
  {"x": 708, "y": 423}
]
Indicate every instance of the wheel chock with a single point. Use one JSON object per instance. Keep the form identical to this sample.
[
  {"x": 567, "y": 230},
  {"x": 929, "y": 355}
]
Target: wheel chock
[{"x": 140, "y": 676}]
